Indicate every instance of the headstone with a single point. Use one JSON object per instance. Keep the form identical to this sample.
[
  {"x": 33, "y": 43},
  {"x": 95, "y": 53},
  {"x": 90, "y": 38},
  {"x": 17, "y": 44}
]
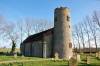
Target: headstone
[
  {"x": 73, "y": 61},
  {"x": 78, "y": 58},
  {"x": 15, "y": 55},
  {"x": 88, "y": 59},
  {"x": 52, "y": 58},
  {"x": 96, "y": 54},
  {"x": 22, "y": 56},
  {"x": 56, "y": 56},
  {"x": 99, "y": 55}
]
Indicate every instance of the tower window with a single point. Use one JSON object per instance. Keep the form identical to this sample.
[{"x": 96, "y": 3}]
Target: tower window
[
  {"x": 70, "y": 45},
  {"x": 55, "y": 19},
  {"x": 68, "y": 18},
  {"x": 69, "y": 26}
]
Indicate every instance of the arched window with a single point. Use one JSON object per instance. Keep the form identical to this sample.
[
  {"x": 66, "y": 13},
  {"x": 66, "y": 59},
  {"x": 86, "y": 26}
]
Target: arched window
[
  {"x": 68, "y": 18},
  {"x": 69, "y": 26},
  {"x": 55, "y": 19},
  {"x": 70, "y": 45}
]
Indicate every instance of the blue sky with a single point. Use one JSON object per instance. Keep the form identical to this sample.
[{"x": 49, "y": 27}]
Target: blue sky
[{"x": 44, "y": 9}]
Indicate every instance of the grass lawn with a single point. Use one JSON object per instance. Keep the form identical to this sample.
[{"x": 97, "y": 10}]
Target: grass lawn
[
  {"x": 9, "y": 58},
  {"x": 41, "y": 61},
  {"x": 93, "y": 61},
  {"x": 38, "y": 63}
]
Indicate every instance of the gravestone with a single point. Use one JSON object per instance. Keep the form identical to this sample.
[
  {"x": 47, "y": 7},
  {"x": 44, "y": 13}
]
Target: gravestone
[
  {"x": 78, "y": 58},
  {"x": 56, "y": 56},
  {"x": 22, "y": 56},
  {"x": 99, "y": 55},
  {"x": 15, "y": 55},
  {"x": 73, "y": 61},
  {"x": 88, "y": 60},
  {"x": 96, "y": 54},
  {"x": 52, "y": 58}
]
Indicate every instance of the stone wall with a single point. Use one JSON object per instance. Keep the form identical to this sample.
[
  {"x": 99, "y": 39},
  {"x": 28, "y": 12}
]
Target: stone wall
[
  {"x": 36, "y": 49},
  {"x": 48, "y": 40},
  {"x": 27, "y": 49},
  {"x": 62, "y": 33}
]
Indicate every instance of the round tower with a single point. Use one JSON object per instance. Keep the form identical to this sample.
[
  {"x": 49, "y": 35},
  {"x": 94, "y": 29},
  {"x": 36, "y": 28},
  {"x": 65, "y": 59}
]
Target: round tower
[{"x": 62, "y": 33}]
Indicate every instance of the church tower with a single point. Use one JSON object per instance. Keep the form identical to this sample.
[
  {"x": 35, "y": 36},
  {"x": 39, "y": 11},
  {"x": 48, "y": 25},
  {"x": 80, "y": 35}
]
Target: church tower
[{"x": 62, "y": 33}]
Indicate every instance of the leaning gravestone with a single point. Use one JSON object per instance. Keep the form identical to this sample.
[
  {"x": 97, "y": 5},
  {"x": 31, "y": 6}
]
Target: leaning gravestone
[{"x": 73, "y": 61}]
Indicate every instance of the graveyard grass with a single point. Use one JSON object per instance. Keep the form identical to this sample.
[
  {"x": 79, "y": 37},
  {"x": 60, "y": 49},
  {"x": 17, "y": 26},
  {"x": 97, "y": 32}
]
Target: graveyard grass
[
  {"x": 93, "y": 61},
  {"x": 11, "y": 58}
]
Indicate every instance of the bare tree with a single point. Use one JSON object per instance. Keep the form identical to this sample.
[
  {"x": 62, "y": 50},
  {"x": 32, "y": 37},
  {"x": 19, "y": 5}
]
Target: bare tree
[
  {"x": 81, "y": 34},
  {"x": 23, "y": 30},
  {"x": 42, "y": 25},
  {"x": 28, "y": 25},
  {"x": 76, "y": 31},
  {"x": 86, "y": 29},
  {"x": 74, "y": 41},
  {"x": 96, "y": 18},
  {"x": 2, "y": 25},
  {"x": 10, "y": 34},
  {"x": 86, "y": 32},
  {"x": 36, "y": 25},
  {"x": 93, "y": 31},
  {"x": 20, "y": 26}
]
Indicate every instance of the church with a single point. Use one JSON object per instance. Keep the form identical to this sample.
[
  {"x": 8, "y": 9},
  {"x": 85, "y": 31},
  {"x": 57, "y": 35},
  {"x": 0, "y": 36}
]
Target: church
[{"x": 56, "y": 40}]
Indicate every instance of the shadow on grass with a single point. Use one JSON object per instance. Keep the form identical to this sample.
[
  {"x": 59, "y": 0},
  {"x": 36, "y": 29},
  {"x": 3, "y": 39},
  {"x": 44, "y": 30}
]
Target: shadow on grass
[{"x": 84, "y": 64}]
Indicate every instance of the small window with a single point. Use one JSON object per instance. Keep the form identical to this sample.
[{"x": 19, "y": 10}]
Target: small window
[
  {"x": 55, "y": 19},
  {"x": 68, "y": 18},
  {"x": 70, "y": 45},
  {"x": 69, "y": 26}
]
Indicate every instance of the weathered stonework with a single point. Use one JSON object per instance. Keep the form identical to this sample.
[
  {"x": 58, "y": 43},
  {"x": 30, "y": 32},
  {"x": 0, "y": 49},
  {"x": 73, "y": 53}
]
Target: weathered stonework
[
  {"x": 48, "y": 41},
  {"x": 62, "y": 33},
  {"x": 55, "y": 40},
  {"x": 36, "y": 49},
  {"x": 27, "y": 49}
]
